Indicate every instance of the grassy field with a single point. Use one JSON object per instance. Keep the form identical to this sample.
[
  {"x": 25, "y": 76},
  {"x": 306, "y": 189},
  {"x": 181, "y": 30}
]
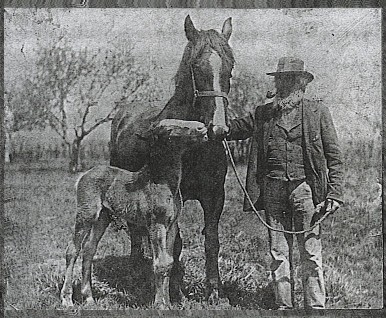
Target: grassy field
[{"x": 40, "y": 217}]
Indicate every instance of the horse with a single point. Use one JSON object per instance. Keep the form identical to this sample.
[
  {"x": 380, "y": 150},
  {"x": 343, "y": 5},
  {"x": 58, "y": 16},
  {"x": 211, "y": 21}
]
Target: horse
[
  {"x": 107, "y": 193},
  {"x": 202, "y": 84}
]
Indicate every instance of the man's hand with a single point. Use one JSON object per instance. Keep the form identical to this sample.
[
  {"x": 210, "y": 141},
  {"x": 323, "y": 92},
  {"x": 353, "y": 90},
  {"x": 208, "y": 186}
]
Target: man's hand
[
  {"x": 217, "y": 132},
  {"x": 220, "y": 130},
  {"x": 331, "y": 206}
]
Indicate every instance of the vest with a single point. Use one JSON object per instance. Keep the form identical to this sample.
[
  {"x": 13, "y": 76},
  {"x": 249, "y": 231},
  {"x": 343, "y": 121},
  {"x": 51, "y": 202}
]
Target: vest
[{"x": 285, "y": 152}]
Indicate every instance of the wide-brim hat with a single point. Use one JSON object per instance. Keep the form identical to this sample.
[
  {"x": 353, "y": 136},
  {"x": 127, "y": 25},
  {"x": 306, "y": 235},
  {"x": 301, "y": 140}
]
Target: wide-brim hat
[{"x": 291, "y": 65}]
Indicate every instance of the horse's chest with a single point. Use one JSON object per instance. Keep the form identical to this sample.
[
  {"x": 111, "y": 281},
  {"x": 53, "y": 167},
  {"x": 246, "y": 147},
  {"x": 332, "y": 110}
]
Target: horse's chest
[{"x": 133, "y": 206}]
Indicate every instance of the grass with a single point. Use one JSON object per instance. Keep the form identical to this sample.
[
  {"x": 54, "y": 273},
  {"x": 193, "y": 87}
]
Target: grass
[{"x": 40, "y": 218}]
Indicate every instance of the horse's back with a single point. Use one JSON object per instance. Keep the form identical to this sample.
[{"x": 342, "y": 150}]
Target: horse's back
[{"x": 129, "y": 147}]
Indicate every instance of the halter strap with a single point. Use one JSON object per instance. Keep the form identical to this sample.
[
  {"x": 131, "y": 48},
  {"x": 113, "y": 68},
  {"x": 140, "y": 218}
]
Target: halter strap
[
  {"x": 210, "y": 94},
  {"x": 198, "y": 93}
]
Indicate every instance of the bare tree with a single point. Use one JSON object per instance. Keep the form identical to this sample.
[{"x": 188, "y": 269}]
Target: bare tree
[{"x": 70, "y": 91}]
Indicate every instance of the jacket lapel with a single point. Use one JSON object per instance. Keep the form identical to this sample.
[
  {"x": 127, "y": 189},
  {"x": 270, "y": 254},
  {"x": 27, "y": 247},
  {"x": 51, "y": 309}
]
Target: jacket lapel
[{"x": 309, "y": 117}]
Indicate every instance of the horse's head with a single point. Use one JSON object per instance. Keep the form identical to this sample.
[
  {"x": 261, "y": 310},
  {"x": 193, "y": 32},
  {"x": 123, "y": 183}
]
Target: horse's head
[{"x": 205, "y": 71}]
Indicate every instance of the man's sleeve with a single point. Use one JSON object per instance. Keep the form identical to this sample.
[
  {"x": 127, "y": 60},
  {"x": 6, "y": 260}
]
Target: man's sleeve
[
  {"x": 241, "y": 128},
  {"x": 333, "y": 156}
]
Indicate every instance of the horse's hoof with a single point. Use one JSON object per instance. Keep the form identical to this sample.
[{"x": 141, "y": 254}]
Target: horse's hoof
[
  {"x": 214, "y": 298},
  {"x": 71, "y": 311},
  {"x": 162, "y": 306},
  {"x": 177, "y": 296},
  {"x": 181, "y": 296}
]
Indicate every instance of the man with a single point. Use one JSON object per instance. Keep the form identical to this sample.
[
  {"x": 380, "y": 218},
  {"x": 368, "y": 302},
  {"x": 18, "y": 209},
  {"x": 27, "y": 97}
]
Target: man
[{"x": 294, "y": 165}]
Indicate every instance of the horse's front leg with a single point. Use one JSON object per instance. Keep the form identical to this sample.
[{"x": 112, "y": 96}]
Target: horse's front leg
[{"x": 212, "y": 204}]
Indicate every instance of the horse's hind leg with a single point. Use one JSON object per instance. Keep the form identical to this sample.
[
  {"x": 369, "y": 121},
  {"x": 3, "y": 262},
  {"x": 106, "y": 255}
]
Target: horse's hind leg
[
  {"x": 72, "y": 253},
  {"x": 136, "y": 252},
  {"x": 89, "y": 248}
]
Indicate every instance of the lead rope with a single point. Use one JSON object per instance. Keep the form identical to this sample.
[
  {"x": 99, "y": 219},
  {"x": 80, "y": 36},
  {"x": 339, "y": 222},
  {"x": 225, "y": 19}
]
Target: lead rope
[
  {"x": 317, "y": 209},
  {"x": 194, "y": 87}
]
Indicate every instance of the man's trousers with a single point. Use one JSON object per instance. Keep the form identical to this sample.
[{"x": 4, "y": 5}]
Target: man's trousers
[{"x": 289, "y": 206}]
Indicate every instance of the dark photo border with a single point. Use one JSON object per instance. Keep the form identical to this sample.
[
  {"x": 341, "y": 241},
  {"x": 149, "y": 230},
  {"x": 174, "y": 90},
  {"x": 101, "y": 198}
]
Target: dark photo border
[{"x": 235, "y": 4}]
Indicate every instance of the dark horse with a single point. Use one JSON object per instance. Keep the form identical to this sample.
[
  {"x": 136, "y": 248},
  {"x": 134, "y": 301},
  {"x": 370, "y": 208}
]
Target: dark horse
[{"x": 202, "y": 84}]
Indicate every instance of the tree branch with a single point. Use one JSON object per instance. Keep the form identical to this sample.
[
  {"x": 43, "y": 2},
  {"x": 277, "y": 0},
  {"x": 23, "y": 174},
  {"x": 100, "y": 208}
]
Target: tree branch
[{"x": 97, "y": 124}]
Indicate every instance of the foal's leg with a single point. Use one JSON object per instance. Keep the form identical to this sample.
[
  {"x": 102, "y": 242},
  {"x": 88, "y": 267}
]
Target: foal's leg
[
  {"x": 89, "y": 248},
  {"x": 162, "y": 241},
  {"x": 72, "y": 253}
]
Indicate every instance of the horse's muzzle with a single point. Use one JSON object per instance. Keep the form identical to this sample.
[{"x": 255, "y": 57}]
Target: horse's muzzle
[{"x": 202, "y": 133}]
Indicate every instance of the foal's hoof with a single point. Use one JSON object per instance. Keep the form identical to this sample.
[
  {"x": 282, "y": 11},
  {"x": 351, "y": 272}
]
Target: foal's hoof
[
  {"x": 67, "y": 302},
  {"x": 89, "y": 302}
]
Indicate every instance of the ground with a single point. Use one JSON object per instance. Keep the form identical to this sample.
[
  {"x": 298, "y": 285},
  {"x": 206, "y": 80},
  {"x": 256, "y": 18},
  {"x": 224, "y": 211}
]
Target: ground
[{"x": 40, "y": 213}]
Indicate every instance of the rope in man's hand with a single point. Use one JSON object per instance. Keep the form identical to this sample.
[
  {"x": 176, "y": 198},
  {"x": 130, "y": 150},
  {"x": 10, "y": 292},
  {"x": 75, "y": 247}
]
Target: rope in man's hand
[{"x": 326, "y": 208}]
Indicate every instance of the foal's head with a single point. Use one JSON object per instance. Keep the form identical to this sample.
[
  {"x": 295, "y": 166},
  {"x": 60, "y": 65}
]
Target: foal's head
[{"x": 169, "y": 140}]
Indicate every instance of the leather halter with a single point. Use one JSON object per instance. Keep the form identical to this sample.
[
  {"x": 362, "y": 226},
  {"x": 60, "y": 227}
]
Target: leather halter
[{"x": 197, "y": 93}]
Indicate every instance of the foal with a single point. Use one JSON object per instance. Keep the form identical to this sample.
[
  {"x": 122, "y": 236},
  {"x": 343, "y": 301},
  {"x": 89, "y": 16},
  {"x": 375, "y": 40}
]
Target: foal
[{"x": 148, "y": 198}]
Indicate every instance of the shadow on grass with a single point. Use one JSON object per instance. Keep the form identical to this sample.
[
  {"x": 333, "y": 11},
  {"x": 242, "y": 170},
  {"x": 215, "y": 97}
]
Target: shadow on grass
[
  {"x": 123, "y": 280},
  {"x": 129, "y": 283},
  {"x": 262, "y": 298},
  {"x": 238, "y": 296}
]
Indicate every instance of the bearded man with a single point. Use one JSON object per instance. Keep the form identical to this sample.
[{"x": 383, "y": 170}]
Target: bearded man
[{"x": 294, "y": 165}]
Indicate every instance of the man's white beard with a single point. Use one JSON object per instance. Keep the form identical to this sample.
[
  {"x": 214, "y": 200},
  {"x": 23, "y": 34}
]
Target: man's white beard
[{"x": 290, "y": 101}]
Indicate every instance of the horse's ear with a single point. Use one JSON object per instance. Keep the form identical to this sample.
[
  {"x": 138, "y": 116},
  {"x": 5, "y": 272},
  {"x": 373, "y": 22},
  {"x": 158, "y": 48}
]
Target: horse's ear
[
  {"x": 227, "y": 28},
  {"x": 190, "y": 31}
]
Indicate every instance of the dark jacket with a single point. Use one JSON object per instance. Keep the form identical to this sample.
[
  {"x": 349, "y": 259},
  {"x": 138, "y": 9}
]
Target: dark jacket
[{"x": 322, "y": 155}]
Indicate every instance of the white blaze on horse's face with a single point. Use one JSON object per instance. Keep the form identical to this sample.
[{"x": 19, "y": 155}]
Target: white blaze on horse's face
[{"x": 219, "y": 114}]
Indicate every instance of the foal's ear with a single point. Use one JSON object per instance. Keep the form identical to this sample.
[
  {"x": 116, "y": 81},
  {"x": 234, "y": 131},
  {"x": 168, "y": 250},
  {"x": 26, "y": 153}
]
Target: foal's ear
[
  {"x": 146, "y": 134},
  {"x": 227, "y": 28},
  {"x": 190, "y": 31}
]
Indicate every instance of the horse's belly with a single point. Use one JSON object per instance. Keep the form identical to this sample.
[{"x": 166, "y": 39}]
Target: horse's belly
[{"x": 131, "y": 155}]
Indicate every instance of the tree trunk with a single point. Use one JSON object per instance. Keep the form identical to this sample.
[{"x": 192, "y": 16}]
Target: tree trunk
[
  {"x": 75, "y": 164},
  {"x": 8, "y": 147}
]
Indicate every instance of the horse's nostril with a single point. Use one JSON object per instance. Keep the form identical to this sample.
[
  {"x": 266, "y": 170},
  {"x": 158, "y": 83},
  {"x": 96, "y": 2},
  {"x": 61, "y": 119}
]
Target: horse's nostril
[{"x": 205, "y": 138}]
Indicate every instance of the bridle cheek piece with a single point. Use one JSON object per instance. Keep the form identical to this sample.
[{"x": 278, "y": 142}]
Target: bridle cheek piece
[{"x": 197, "y": 93}]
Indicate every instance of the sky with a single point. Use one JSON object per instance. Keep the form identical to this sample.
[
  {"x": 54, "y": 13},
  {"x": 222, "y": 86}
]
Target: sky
[{"x": 341, "y": 47}]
